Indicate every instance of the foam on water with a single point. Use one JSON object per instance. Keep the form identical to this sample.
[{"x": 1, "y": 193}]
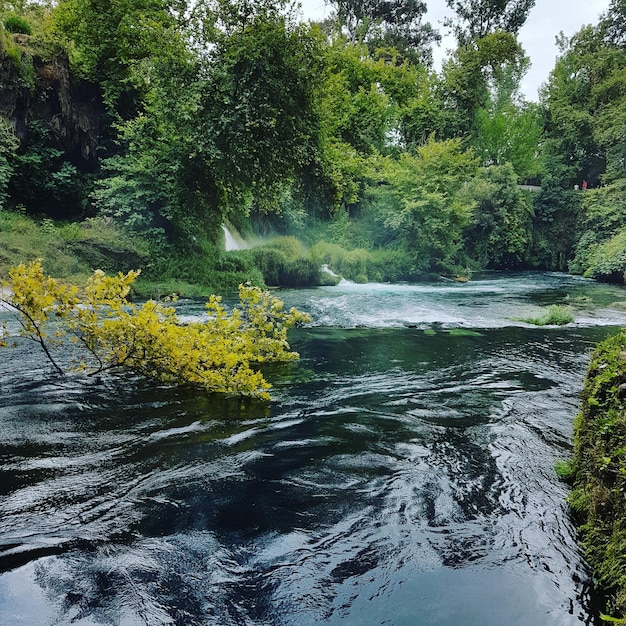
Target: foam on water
[{"x": 497, "y": 302}]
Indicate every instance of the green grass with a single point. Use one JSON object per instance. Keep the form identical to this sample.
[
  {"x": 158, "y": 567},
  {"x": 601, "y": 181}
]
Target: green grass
[
  {"x": 564, "y": 470},
  {"x": 556, "y": 315}
]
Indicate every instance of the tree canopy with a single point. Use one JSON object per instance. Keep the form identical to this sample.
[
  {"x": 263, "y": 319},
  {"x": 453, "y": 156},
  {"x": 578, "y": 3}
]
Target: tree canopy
[
  {"x": 476, "y": 19},
  {"x": 235, "y": 110}
]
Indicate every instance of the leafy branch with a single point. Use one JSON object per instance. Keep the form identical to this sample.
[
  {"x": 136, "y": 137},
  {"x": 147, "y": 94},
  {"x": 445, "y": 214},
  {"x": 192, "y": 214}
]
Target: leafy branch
[{"x": 111, "y": 333}]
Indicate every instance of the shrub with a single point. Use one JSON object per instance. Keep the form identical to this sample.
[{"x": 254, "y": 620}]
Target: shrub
[
  {"x": 360, "y": 265},
  {"x": 283, "y": 262},
  {"x": 386, "y": 265},
  {"x": 349, "y": 263},
  {"x": 607, "y": 261},
  {"x": 17, "y": 24},
  {"x": 269, "y": 262}
]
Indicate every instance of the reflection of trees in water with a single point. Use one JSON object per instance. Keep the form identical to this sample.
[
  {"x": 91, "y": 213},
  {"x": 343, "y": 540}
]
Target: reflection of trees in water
[{"x": 182, "y": 580}]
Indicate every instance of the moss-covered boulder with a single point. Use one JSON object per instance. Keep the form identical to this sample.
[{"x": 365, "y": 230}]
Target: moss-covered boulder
[{"x": 598, "y": 499}]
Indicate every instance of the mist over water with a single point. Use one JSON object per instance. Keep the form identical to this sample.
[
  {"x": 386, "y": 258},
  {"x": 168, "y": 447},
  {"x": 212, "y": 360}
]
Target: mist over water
[{"x": 399, "y": 477}]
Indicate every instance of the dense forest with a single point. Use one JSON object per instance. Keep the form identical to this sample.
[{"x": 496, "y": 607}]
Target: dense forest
[{"x": 151, "y": 123}]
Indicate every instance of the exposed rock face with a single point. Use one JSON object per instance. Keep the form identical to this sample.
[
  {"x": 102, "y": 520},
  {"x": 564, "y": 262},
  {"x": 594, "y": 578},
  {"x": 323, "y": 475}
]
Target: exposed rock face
[{"x": 71, "y": 109}]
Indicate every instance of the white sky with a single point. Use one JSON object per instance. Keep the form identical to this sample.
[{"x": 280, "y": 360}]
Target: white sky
[{"x": 545, "y": 21}]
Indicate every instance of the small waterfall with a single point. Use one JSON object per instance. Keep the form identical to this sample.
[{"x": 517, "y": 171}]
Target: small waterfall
[
  {"x": 233, "y": 240},
  {"x": 328, "y": 271}
]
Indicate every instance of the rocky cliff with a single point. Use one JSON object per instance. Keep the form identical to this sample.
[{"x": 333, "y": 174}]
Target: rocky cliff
[{"x": 36, "y": 88}]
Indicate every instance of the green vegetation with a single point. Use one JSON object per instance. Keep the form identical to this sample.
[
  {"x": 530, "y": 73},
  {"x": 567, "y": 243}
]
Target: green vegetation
[
  {"x": 132, "y": 130},
  {"x": 108, "y": 332},
  {"x": 168, "y": 119},
  {"x": 564, "y": 470},
  {"x": 73, "y": 250},
  {"x": 556, "y": 315},
  {"x": 599, "y": 470},
  {"x": 17, "y": 24}
]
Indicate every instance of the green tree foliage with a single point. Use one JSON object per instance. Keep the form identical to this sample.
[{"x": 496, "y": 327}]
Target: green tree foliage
[
  {"x": 357, "y": 108},
  {"x": 585, "y": 101},
  {"x": 17, "y": 24},
  {"x": 370, "y": 104},
  {"x": 500, "y": 233},
  {"x": 586, "y": 98},
  {"x": 506, "y": 133},
  {"x": 475, "y": 72},
  {"x": 106, "y": 39},
  {"x": 570, "y": 123},
  {"x": 42, "y": 179},
  {"x": 160, "y": 185},
  {"x": 388, "y": 24},
  {"x": 604, "y": 260},
  {"x": 509, "y": 130},
  {"x": 478, "y": 18},
  {"x": 600, "y": 251},
  {"x": 375, "y": 100},
  {"x": 220, "y": 134},
  {"x": 259, "y": 106},
  {"x": 420, "y": 199},
  {"x": 226, "y": 109}
]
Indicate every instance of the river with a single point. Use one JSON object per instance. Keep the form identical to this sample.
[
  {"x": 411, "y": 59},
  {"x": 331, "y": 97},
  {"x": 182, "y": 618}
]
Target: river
[{"x": 403, "y": 474}]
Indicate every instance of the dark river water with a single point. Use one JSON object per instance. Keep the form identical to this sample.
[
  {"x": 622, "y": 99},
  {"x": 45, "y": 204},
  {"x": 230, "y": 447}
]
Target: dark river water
[{"x": 403, "y": 474}]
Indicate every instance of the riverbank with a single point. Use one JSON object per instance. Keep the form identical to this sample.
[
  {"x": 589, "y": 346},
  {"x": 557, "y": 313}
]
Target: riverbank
[
  {"x": 598, "y": 499},
  {"x": 72, "y": 250}
]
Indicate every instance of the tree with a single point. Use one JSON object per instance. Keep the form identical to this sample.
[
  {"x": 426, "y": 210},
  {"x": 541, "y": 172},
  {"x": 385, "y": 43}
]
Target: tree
[
  {"x": 105, "y": 39},
  {"x": 222, "y": 133},
  {"x": 419, "y": 197},
  {"x": 499, "y": 235},
  {"x": 509, "y": 130},
  {"x": 110, "y": 333},
  {"x": 475, "y": 71},
  {"x": 585, "y": 103},
  {"x": 390, "y": 23},
  {"x": 478, "y": 18},
  {"x": 357, "y": 109},
  {"x": 259, "y": 104}
]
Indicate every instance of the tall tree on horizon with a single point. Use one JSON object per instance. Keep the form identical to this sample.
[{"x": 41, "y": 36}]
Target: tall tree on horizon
[
  {"x": 388, "y": 23},
  {"x": 478, "y": 18}
]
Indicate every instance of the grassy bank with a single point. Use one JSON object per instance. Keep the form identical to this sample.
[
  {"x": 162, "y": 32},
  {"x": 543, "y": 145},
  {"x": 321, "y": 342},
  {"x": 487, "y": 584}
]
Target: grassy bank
[
  {"x": 598, "y": 471},
  {"x": 73, "y": 250}
]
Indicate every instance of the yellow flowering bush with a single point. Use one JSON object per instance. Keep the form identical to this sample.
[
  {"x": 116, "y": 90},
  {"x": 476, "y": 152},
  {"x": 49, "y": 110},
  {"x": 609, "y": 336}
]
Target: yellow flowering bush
[{"x": 109, "y": 332}]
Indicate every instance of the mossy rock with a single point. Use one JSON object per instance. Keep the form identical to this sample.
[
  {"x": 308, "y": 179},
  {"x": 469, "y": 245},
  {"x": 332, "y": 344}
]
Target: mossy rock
[{"x": 598, "y": 499}]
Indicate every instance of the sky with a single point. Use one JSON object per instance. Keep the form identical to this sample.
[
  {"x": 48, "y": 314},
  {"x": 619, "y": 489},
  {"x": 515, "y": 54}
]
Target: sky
[{"x": 546, "y": 20}]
